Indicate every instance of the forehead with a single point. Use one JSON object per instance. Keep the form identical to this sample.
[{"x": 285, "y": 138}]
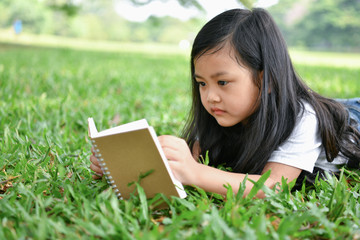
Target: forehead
[
  {"x": 225, "y": 52},
  {"x": 223, "y": 49},
  {"x": 222, "y": 58}
]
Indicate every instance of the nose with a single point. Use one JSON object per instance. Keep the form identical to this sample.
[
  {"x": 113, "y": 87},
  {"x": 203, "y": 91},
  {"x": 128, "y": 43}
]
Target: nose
[{"x": 213, "y": 96}]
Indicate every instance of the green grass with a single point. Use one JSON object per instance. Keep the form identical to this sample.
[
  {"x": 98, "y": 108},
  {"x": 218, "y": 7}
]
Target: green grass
[{"x": 46, "y": 190}]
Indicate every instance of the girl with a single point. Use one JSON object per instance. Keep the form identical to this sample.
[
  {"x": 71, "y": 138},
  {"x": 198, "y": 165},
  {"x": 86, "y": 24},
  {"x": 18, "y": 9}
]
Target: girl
[{"x": 251, "y": 112}]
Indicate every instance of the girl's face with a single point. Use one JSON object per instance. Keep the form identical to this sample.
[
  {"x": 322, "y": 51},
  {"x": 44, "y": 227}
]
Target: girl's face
[{"x": 227, "y": 89}]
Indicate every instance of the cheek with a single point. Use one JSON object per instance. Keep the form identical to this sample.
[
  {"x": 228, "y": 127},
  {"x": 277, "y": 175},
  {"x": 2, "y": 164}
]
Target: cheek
[
  {"x": 204, "y": 101},
  {"x": 202, "y": 97}
]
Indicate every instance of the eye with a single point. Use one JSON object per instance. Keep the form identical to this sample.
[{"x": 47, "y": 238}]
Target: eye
[
  {"x": 201, "y": 84},
  {"x": 222, "y": 83}
]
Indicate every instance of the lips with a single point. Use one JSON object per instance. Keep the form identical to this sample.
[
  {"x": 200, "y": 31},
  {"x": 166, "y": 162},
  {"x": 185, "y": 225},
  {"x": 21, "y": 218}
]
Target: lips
[{"x": 217, "y": 111}]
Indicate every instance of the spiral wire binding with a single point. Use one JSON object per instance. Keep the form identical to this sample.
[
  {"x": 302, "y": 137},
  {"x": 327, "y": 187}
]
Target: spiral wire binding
[{"x": 106, "y": 171}]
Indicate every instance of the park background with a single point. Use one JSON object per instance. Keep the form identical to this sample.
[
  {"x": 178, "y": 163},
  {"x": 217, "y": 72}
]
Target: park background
[
  {"x": 310, "y": 24},
  {"x": 69, "y": 60}
]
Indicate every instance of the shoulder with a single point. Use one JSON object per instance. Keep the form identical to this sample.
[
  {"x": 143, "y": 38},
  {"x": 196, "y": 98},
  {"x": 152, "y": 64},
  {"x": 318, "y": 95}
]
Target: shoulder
[
  {"x": 306, "y": 123},
  {"x": 303, "y": 146},
  {"x": 307, "y": 112}
]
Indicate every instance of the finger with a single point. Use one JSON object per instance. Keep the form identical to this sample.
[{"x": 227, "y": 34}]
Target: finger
[
  {"x": 95, "y": 165},
  {"x": 163, "y": 139},
  {"x": 171, "y": 138},
  {"x": 95, "y": 177},
  {"x": 171, "y": 141},
  {"x": 96, "y": 169},
  {"x": 166, "y": 138},
  {"x": 94, "y": 160},
  {"x": 171, "y": 154}
]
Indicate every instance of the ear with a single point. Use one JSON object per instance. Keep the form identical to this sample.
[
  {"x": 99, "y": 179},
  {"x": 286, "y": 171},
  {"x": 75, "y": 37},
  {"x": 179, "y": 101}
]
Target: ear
[{"x": 261, "y": 74}]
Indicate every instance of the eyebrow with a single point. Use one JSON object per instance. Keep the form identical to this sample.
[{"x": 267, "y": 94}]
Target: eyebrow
[{"x": 213, "y": 75}]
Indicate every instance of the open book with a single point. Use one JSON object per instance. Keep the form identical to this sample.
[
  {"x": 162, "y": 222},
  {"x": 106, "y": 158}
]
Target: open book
[{"x": 132, "y": 150}]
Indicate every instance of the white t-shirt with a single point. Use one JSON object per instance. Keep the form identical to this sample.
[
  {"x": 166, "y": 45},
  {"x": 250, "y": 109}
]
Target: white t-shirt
[{"x": 303, "y": 149}]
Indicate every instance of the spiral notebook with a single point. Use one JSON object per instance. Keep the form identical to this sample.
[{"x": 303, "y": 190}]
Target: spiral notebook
[{"x": 129, "y": 152}]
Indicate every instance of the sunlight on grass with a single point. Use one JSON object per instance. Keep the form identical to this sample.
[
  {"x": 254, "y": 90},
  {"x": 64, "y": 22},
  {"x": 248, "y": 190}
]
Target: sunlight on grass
[
  {"x": 348, "y": 60},
  {"x": 303, "y": 57},
  {"x": 84, "y": 44}
]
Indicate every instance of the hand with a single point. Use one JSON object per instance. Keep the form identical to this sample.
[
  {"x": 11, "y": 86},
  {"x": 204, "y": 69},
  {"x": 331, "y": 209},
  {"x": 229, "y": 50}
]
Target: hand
[
  {"x": 181, "y": 161},
  {"x": 95, "y": 166}
]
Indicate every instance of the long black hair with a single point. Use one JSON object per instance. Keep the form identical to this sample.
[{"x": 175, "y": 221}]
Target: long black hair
[{"x": 260, "y": 46}]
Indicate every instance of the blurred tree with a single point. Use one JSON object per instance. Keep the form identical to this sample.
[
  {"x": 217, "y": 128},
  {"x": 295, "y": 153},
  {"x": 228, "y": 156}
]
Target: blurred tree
[
  {"x": 69, "y": 7},
  {"x": 327, "y": 24},
  {"x": 33, "y": 21}
]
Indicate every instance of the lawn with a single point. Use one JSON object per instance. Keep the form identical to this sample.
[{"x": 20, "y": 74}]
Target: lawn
[{"x": 46, "y": 189}]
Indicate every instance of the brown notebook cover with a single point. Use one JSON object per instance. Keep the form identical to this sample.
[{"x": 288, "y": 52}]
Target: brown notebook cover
[{"x": 129, "y": 151}]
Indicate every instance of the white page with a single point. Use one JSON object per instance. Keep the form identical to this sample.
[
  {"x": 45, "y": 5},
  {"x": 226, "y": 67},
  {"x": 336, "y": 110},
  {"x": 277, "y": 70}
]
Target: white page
[{"x": 128, "y": 127}]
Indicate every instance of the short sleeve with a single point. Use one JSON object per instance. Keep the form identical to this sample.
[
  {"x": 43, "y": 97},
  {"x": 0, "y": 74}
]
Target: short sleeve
[{"x": 303, "y": 147}]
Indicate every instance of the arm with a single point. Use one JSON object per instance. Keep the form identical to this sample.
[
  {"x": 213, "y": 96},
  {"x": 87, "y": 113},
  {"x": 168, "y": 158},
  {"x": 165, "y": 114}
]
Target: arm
[
  {"x": 187, "y": 170},
  {"x": 212, "y": 179}
]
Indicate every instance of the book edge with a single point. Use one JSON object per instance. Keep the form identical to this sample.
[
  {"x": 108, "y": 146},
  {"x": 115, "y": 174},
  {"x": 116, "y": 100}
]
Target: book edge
[
  {"x": 92, "y": 131},
  {"x": 127, "y": 127},
  {"x": 177, "y": 184}
]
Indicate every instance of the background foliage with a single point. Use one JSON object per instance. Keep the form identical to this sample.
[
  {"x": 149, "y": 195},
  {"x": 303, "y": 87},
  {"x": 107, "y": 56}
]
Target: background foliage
[
  {"x": 95, "y": 20},
  {"x": 320, "y": 24}
]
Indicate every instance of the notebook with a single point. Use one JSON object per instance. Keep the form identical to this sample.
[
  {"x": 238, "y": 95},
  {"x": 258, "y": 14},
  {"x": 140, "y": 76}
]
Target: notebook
[{"x": 131, "y": 153}]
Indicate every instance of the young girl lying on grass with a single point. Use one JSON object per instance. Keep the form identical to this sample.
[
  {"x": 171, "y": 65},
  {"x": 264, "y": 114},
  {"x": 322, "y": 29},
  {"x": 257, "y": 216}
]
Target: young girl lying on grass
[{"x": 252, "y": 112}]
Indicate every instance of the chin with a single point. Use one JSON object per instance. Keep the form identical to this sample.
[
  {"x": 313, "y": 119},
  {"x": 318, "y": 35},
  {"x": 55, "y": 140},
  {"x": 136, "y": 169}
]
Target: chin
[{"x": 226, "y": 124}]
